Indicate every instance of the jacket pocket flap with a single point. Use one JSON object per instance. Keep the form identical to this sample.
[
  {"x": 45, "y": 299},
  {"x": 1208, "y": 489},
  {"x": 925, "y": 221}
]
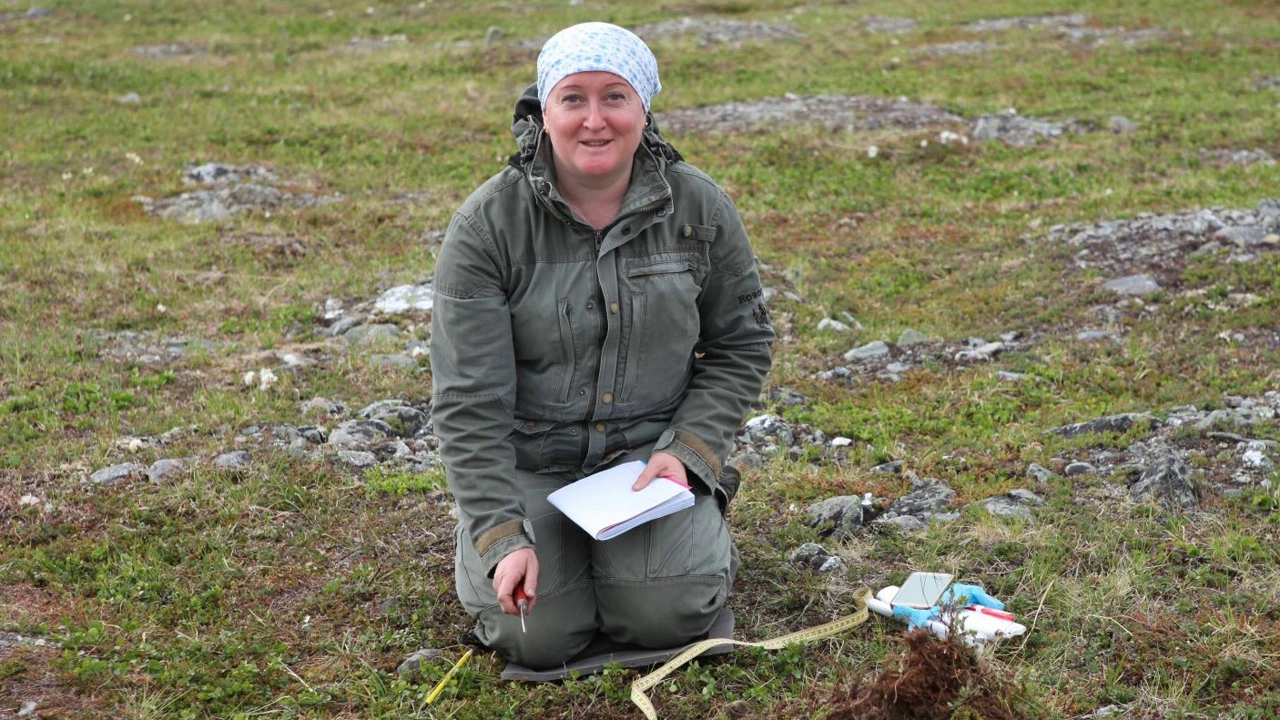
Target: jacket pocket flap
[
  {"x": 665, "y": 267},
  {"x": 533, "y": 427}
]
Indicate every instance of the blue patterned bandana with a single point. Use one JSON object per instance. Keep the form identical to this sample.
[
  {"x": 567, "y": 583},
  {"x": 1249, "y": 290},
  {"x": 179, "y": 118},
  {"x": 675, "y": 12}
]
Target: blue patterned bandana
[{"x": 598, "y": 46}]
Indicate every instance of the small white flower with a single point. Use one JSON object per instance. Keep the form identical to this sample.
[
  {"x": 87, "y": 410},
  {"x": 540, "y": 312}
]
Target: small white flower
[
  {"x": 873, "y": 151},
  {"x": 249, "y": 378},
  {"x": 26, "y": 500},
  {"x": 946, "y": 137},
  {"x": 368, "y": 11},
  {"x": 86, "y": 171},
  {"x": 67, "y": 176},
  {"x": 128, "y": 17},
  {"x": 266, "y": 378},
  {"x": 924, "y": 143},
  {"x": 1108, "y": 192},
  {"x": 133, "y": 158},
  {"x": 417, "y": 352},
  {"x": 160, "y": 308}
]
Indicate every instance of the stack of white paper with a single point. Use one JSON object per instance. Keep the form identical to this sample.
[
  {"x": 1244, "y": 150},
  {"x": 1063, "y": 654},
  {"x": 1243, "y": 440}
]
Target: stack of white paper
[{"x": 605, "y": 506}]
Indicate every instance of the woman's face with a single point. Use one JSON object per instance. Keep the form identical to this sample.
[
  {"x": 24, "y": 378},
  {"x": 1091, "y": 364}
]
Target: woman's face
[{"x": 595, "y": 120}]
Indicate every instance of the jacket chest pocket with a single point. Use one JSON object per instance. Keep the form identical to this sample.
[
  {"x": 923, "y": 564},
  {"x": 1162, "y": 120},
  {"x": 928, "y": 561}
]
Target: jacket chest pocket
[{"x": 660, "y": 330}]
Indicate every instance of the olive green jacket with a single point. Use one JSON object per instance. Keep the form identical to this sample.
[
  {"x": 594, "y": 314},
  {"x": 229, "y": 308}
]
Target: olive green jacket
[{"x": 556, "y": 347}]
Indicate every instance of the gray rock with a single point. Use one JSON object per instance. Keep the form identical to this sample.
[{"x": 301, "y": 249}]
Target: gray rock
[
  {"x": 220, "y": 174},
  {"x": 923, "y": 503},
  {"x": 983, "y": 353},
  {"x": 413, "y": 663},
  {"x": 1095, "y": 335},
  {"x": 1078, "y": 468},
  {"x": 344, "y": 326},
  {"x": 716, "y": 30},
  {"x": 831, "y": 564},
  {"x": 1133, "y": 285},
  {"x": 904, "y": 523},
  {"x": 393, "y": 362},
  {"x": 766, "y": 427},
  {"x": 358, "y": 458},
  {"x": 870, "y": 351},
  {"x": 1121, "y": 125},
  {"x": 1245, "y": 235},
  {"x": 1002, "y": 506},
  {"x": 785, "y": 397},
  {"x": 234, "y": 460},
  {"x": 911, "y": 337},
  {"x": 323, "y": 407},
  {"x": 835, "y": 325},
  {"x": 1168, "y": 481},
  {"x": 1027, "y": 497},
  {"x": 1109, "y": 424},
  {"x": 494, "y": 34},
  {"x": 404, "y": 298},
  {"x": 1257, "y": 459},
  {"x": 129, "y": 98},
  {"x": 369, "y": 334},
  {"x": 879, "y": 24},
  {"x": 1010, "y": 376},
  {"x": 359, "y": 433},
  {"x": 118, "y": 473},
  {"x": 810, "y": 554},
  {"x": 37, "y": 12},
  {"x": 843, "y": 515},
  {"x": 1025, "y": 22},
  {"x": 1018, "y": 131},
  {"x": 833, "y": 112},
  {"x": 28, "y": 709},
  {"x": 165, "y": 469},
  {"x": 964, "y": 47},
  {"x": 403, "y": 419},
  {"x": 1039, "y": 473},
  {"x": 892, "y": 467}
]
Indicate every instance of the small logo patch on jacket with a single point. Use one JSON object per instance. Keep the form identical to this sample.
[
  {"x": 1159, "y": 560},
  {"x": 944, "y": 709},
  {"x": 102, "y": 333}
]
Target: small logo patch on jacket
[{"x": 762, "y": 315}]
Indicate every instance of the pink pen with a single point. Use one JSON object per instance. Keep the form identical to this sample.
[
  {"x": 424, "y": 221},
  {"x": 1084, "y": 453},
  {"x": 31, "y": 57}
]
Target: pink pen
[{"x": 1002, "y": 614}]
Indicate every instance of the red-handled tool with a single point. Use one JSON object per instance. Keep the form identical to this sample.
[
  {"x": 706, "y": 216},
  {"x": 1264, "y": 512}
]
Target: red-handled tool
[{"x": 522, "y": 602}]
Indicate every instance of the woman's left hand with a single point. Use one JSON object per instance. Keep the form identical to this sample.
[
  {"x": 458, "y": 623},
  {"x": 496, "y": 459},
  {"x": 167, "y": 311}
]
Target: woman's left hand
[{"x": 662, "y": 464}]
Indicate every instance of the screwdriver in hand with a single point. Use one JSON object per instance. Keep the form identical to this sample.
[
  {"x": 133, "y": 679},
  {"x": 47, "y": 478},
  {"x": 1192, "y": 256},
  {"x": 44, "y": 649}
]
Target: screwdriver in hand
[{"x": 522, "y": 602}]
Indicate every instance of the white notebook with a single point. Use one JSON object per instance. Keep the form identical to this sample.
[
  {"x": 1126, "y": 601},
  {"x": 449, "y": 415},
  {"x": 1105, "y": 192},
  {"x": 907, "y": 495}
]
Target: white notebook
[{"x": 605, "y": 506}]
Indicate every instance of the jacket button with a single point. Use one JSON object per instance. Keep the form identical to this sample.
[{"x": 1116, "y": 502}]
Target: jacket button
[
  {"x": 613, "y": 308},
  {"x": 662, "y": 212},
  {"x": 600, "y": 427},
  {"x": 607, "y": 398},
  {"x": 688, "y": 231},
  {"x": 591, "y": 305},
  {"x": 626, "y": 229},
  {"x": 582, "y": 391}
]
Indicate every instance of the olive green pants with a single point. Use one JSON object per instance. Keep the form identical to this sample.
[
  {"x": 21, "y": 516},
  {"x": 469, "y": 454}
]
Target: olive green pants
[{"x": 659, "y": 585}]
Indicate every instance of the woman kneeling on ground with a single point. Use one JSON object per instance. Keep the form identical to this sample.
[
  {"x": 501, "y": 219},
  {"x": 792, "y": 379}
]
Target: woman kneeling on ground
[{"x": 597, "y": 302}]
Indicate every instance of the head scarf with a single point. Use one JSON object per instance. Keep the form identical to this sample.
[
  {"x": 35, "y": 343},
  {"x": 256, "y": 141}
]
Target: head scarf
[{"x": 598, "y": 46}]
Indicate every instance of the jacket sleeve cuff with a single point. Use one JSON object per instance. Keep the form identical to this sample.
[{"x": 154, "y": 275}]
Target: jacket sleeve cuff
[
  {"x": 696, "y": 455},
  {"x": 501, "y": 540}
]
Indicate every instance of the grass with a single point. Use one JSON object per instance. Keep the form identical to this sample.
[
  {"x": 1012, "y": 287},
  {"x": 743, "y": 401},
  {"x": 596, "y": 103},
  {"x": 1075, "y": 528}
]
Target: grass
[{"x": 295, "y": 588}]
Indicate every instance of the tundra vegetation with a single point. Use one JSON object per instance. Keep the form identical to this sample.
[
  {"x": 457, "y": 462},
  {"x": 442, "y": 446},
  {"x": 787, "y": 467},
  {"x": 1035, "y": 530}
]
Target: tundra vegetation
[{"x": 1008, "y": 246}]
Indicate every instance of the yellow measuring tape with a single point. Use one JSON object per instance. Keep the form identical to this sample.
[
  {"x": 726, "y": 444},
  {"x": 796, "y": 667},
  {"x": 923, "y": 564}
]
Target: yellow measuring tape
[{"x": 646, "y": 683}]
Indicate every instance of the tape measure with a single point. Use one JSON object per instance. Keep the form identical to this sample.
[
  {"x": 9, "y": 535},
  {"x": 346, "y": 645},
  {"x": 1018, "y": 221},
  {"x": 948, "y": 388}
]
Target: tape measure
[{"x": 646, "y": 683}]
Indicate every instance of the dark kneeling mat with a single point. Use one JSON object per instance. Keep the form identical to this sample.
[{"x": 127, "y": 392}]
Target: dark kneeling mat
[{"x": 603, "y": 651}]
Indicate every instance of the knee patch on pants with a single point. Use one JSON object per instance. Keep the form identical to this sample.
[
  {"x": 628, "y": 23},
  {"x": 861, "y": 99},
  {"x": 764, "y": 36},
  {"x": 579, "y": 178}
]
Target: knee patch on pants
[{"x": 660, "y": 613}]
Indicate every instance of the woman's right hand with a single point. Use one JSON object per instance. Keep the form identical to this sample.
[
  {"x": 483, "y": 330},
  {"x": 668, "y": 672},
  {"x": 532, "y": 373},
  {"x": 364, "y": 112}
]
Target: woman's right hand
[{"x": 518, "y": 567}]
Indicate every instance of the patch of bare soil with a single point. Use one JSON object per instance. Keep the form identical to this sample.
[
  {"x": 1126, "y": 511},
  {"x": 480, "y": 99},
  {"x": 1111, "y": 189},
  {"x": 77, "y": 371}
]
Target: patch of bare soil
[
  {"x": 710, "y": 31},
  {"x": 31, "y": 687},
  {"x": 833, "y": 112}
]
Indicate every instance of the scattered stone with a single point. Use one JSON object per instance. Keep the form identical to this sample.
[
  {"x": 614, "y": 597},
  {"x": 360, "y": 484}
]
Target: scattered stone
[
  {"x": 37, "y": 12},
  {"x": 957, "y": 48},
  {"x": 811, "y": 555},
  {"x": 28, "y": 708},
  {"x": 165, "y": 469},
  {"x": 711, "y": 31},
  {"x": 1024, "y": 22},
  {"x": 1078, "y": 468},
  {"x": 1168, "y": 481},
  {"x": 170, "y": 51},
  {"x": 363, "y": 44},
  {"x": 413, "y": 663},
  {"x": 841, "y": 516},
  {"x": 878, "y": 24},
  {"x": 904, "y": 523},
  {"x": 1230, "y": 156},
  {"x": 1133, "y": 285},
  {"x": 221, "y": 174},
  {"x": 403, "y": 419},
  {"x": 1010, "y": 376},
  {"x": 785, "y": 397},
  {"x": 1096, "y": 335},
  {"x": 1016, "y": 130},
  {"x": 983, "y": 353},
  {"x": 371, "y": 334},
  {"x": 1159, "y": 244},
  {"x": 118, "y": 473},
  {"x": 1038, "y": 473},
  {"x": 1103, "y": 36},
  {"x": 911, "y": 337},
  {"x": 394, "y": 361},
  {"x": 323, "y": 407},
  {"x": 871, "y": 350},
  {"x": 358, "y": 458},
  {"x": 924, "y": 504},
  {"x": 840, "y": 442},
  {"x": 1255, "y": 457},
  {"x": 234, "y": 460},
  {"x": 829, "y": 324},
  {"x": 833, "y": 112},
  {"x": 1121, "y": 125},
  {"x": 359, "y": 433},
  {"x": 406, "y": 297},
  {"x": 769, "y": 428},
  {"x": 132, "y": 98},
  {"x": 1109, "y": 424},
  {"x": 1268, "y": 83},
  {"x": 494, "y": 34},
  {"x": 1004, "y": 506},
  {"x": 892, "y": 467},
  {"x": 222, "y": 203}
]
